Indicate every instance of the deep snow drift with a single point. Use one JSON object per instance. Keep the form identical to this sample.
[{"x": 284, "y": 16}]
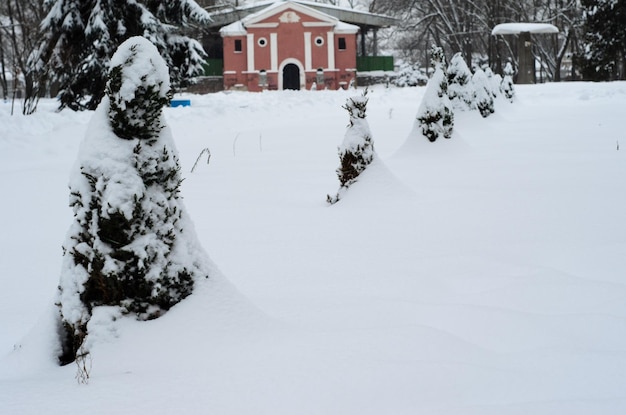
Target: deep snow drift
[{"x": 484, "y": 274}]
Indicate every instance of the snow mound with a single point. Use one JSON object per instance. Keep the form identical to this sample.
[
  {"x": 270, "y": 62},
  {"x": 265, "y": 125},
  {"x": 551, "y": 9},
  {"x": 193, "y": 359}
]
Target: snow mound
[
  {"x": 496, "y": 289},
  {"x": 417, "y": 144},
  {"x": 375, "y": 185},
  {"x": 216, "y": 307}
]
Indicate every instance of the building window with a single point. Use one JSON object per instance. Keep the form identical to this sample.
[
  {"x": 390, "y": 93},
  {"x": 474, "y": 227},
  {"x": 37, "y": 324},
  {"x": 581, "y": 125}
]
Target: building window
[
  {"x": 342, "y": 43},
  {"x": 319, "y": 41},
  {"x": 238, "y": 46},
  {"x": 262, "y": 42},
  {"x": 262, "y": 77}
]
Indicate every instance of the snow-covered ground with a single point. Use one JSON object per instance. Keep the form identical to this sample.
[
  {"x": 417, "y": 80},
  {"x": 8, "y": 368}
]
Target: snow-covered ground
[{"x": 481, "y": 275}]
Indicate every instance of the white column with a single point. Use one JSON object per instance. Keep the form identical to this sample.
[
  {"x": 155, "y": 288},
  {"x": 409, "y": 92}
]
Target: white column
[
  {"x": 307, "y": 51},
  {"x": 250, "y": 50},
  {"x": 274, "y": 51},
  {"x": 331, "y": 50}
]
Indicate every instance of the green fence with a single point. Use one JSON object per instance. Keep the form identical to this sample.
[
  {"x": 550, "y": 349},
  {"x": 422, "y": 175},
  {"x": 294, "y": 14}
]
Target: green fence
[
  {"x": 213, "y": 67},
  {"x": 374, "y": 63}
]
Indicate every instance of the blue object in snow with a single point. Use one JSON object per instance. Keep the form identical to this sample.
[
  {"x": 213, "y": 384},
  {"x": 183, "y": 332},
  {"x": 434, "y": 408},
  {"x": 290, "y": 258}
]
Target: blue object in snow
[{"x": 180, "y": 103}]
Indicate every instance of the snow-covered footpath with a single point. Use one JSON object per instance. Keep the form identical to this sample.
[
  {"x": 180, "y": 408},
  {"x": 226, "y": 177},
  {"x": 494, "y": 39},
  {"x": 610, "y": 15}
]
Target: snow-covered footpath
[{"x": 481, "y": 275}]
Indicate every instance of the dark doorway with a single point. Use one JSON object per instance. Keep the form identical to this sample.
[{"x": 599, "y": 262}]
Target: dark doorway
[{"x": 291, "y": 76}]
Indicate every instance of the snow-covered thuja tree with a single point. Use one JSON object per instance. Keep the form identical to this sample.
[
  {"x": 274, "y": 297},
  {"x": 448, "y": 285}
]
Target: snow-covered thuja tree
[
  {"x": 357, "y": 149},
  {"x": 435, "y": 117},
  {"x": 460, "y": 86},
  {"x": 494, "y": 82},
  {"x": 506, "y": 86},
  {"x": 484, "y": 97},
  {"x": 126, "y": 247},
  {"x": 80, "y": 36},
  {"x": 410, "y": 75}
]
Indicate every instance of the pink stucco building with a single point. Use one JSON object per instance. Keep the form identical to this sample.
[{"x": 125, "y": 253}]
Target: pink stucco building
[{"x": 289, "y": 46}]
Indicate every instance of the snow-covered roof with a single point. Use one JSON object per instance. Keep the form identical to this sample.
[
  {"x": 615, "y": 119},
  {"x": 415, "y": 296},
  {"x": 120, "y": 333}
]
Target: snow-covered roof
[
  {"x": 343, "y": 27},
  {"x": 238, "y": 28},
  {"x": 279, "y": 6},
  {"x": 227, "y": 15},
  {"x": 517, "y": 28},
  {"x": 233, "y": 29}
]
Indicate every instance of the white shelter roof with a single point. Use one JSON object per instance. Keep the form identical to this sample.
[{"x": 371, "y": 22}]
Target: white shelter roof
[{"x": 517, "y": 28}]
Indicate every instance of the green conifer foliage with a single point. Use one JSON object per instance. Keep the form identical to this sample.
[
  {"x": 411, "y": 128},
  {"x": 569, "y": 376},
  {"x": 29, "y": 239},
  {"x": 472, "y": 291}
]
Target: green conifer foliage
[
  {"x": 604, "y": 52},
  {"x": 460, "y": 87},
  {"x": 435, "y": 116},
  {"x": 136, "y": 116},
  {"x": 506, "y": 86},
  {"x": 123, "y": 249},
  {"x": 80, "y": 36},
  {"x": 355, "y": 158},
  {"x": 357, "y": 149},
  {"x": 484, "y": 98}
]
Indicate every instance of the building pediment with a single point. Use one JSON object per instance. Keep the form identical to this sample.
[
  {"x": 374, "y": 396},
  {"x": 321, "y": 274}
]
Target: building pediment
[
  {"x": 286, "y": 13},
  {"x": 365, "y": 20}
]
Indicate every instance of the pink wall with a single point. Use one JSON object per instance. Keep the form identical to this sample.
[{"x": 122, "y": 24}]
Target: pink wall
[{"x": 291, "y": 48}]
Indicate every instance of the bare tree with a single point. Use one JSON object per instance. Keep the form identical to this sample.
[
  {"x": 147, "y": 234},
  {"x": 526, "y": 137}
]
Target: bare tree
[
  {"x": 465, "y": 26},
  {"x": 19, "y": 34},
  {"x": 3, "y": 61}
]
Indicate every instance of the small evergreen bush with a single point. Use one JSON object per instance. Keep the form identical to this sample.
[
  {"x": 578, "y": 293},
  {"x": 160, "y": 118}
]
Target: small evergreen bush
[
  {"x": 124, "y": 246},
  {"x": 357, "y": 149},
  {"x": 410, "y": 75},
  {"x": 484, "y": 97},
  {"x": 506, "y": 86},
  {"x": 460, "y": 86},
  {"x": 435, "y": 117},
  {"x": 494, "y": 82}
]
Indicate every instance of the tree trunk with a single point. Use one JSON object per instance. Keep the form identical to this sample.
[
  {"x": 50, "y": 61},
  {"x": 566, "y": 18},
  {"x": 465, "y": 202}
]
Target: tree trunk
[{"x": 3, "y": 76}]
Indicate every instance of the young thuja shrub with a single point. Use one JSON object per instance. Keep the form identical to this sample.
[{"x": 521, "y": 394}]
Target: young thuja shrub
[
  {"x": 484, "y": 97},
  {"x": 437, "y": 122},
  {"x": 493, "y": 82},
  {"x": 460, "y": 87},
  {"x": 410, "y": 75},
  {"x": 357, "y": 149},
  {"x": 506, "y": 86},
  {"x": 135, "y": 110},
  {"x": 124, "y": 246},
  {"x": 435, "y": 117}
]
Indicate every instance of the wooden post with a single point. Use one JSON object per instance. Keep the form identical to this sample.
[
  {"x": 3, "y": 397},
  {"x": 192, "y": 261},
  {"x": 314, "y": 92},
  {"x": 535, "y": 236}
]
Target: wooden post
[
  {"x": 363, "y": 49},
  {"x": 375, "y": 42},
  {"x": 526, "y": 70}
]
